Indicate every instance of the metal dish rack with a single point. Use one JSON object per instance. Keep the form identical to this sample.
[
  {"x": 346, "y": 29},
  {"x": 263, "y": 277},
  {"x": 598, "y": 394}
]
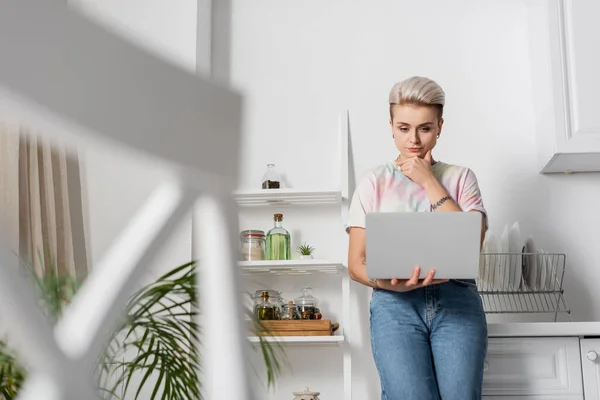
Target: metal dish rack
[{"x": 522, "y": 283}]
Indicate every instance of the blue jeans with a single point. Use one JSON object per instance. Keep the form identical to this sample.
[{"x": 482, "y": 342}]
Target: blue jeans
[{"x": 429, "y": 343}]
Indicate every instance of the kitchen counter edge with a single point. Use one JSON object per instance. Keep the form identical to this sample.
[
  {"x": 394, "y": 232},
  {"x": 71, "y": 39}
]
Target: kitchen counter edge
[{"x": 544, "y": 329}]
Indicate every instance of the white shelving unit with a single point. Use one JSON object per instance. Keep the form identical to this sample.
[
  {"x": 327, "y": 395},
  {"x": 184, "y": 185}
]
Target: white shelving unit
[
  {"x": 261, "y": 198},
  {"x": 286, "y": 197},
  {"x": 336, "y": 340},
  {"x": 296, "y": 267},
  {"x": 292, "y": 267}
]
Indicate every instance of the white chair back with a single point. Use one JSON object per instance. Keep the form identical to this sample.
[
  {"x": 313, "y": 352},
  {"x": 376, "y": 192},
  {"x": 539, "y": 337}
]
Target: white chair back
[{"x": 79, "y": 83}]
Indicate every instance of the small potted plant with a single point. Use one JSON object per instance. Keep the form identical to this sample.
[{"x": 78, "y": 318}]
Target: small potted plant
[{"x": 306, "y": 251}]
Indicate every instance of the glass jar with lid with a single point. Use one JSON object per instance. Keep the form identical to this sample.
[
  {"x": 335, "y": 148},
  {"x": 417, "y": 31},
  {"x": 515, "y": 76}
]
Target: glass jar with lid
[
  {"x": 307, "y": 304},
  {"x": 265, "y": 310},
  {"x": 252, "y": 245},
  {"x": 274, "y": 298},
  {"x": 271, "y": 179},
  {"x": 290, "y": 311}
]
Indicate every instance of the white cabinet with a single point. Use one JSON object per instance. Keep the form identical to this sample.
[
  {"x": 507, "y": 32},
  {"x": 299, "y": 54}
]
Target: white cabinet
[
  {"x": 535, "y": 368},
  {"x": 521, "y": 367},
  {"x": 565, "y": 36},
  {"x": 590, "y": 363}
]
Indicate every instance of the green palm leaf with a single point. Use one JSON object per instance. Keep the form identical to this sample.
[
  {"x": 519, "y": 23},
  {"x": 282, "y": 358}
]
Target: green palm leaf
[
  {"x": 156, "y": 348},
  {"x": 161, "y": 328}
]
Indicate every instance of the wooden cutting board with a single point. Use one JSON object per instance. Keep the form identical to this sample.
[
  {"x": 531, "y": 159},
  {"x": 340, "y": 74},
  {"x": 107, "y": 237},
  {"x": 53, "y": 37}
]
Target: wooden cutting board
[{"x": 293, "y": 328}]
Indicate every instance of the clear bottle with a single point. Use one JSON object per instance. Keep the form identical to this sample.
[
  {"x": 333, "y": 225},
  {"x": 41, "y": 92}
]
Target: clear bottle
[
  {"x": 270, "y": 179},
  {"x": 265, "y": 310},
  {"x": 278, "y": 241}
]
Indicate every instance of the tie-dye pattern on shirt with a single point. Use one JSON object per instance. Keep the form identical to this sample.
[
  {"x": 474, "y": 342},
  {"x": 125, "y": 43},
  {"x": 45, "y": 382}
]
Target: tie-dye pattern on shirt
[{"x": 386, "y": 189}]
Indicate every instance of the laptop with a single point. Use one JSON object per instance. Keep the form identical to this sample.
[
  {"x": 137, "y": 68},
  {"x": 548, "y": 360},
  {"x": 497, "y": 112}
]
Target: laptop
[{"x": 448, "y": 242}]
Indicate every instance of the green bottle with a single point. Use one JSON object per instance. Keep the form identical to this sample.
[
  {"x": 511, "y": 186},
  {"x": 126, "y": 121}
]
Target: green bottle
[
  {"x": 278, "y": 241},
  {"x": 265, "y": 311}
]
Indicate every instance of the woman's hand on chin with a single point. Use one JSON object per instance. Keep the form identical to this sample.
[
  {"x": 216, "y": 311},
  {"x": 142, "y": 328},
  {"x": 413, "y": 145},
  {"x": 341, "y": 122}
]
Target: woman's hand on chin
[{"x": 417, "y": 169}]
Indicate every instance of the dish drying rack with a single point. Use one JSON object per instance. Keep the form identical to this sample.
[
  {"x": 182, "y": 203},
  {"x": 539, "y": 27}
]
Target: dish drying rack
[{"x": 523, "y": 283}]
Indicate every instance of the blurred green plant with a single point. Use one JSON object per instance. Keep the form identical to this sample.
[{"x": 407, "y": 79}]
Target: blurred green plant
[
  {"x": 55, "y": 291},
  {"x": 12, "y": 375},
  {"x": 156, "y": 346}
]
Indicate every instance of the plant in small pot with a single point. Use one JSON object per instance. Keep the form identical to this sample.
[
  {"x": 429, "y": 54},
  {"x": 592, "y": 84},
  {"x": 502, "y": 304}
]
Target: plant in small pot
[{"x": 306, "y": 252}]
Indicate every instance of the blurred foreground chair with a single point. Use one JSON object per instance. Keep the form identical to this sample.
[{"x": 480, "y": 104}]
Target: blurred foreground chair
[{"x": 81, "y": 84}]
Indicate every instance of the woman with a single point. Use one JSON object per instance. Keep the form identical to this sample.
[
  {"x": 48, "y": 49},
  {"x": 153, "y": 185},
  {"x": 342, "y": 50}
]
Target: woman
[{"x": 428, "y": 336}]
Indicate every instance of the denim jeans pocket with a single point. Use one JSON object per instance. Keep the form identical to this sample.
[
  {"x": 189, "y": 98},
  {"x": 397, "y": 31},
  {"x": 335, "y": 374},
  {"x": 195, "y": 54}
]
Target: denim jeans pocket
[
  {"x": 467, "y": 283},
  {"x": 464, "y": 298}
]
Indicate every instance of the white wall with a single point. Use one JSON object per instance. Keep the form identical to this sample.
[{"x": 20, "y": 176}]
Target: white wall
[
  {"x": 300, "y": 63},
  {"x": 117, "y": 181}
]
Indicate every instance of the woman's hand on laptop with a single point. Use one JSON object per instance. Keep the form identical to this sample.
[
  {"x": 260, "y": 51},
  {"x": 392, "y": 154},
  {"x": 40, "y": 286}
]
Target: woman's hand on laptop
[{"x": 414, "y": 282}]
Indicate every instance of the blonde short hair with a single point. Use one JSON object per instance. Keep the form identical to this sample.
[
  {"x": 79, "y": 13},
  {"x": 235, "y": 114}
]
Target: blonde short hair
[{"x": 418, "y": 91}]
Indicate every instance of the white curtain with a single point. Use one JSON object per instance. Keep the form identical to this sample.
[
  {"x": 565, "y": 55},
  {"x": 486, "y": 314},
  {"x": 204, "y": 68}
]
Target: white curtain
[{"x": 40, "y": 202}]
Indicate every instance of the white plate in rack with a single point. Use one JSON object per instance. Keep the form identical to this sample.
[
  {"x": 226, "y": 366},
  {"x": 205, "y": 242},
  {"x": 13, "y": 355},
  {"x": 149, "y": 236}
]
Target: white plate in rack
[
  {"x": 502, "y": 264},
  {"x": 515, "y": 247},
  {"x": 486, "y": 266},
  {"x": 531, "y": 278},
  {"x": 550, "y": 273},
  {"x": 542, "y": 269}
]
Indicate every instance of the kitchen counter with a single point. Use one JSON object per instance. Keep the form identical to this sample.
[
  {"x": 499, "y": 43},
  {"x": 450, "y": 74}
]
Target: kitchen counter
[{"x": 544, "y": 329}]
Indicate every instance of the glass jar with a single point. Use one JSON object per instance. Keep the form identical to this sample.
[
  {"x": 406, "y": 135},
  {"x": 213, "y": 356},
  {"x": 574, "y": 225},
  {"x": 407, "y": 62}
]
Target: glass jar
[
  {"x": 265, "y": 310},
  {"x": 290, "y": 311},
  {"x": 270, "y": 179},
  {"x": 274, "y": 298},
  {"x": 252, "y": 245},
  {"x": 307, "y": 304},
  {"x": 278, "y": 241}
]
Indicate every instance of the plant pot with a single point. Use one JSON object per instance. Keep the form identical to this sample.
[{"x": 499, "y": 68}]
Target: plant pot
[{"x": 306, "y": 257}]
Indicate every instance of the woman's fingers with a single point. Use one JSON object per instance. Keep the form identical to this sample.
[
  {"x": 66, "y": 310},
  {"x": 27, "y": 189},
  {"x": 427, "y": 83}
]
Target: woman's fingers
[
  {"x": 429, "y": 278},
  {"x": 415, "y": 282},
  {"x": 414, "y": 279},
  {"x": 403, "y": 161}
]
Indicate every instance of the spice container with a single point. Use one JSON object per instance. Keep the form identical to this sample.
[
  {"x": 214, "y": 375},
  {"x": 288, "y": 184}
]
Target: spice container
[
  {"x": 274, "y": 298},
  {"x": 270, "y": 179},
  {"x": 252, "y": 245},
  {"x": 290, "y": 311},
  {"x": 307, "y": 304},
  {"x": 265, "y": 310},
  {"x": 278, "y": 241}
]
